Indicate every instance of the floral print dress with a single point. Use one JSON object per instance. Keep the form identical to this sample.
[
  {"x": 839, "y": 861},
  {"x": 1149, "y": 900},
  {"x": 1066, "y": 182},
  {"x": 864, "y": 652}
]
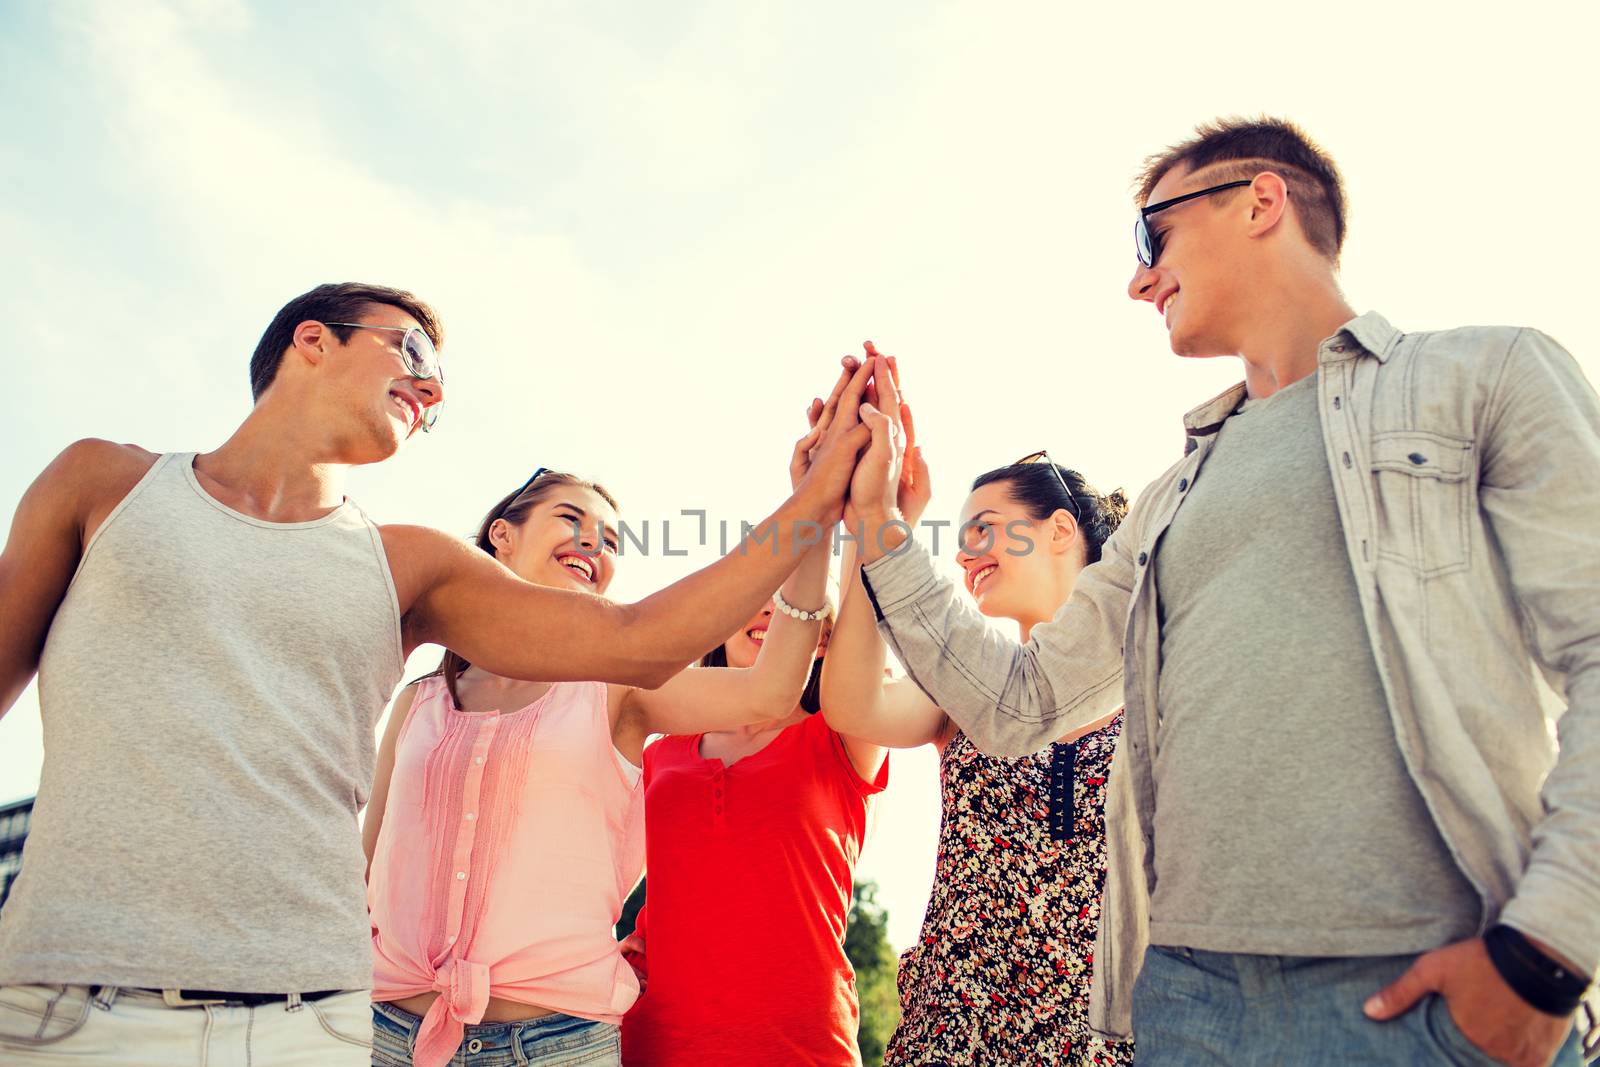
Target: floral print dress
[{"x": 1000, "y": 973}]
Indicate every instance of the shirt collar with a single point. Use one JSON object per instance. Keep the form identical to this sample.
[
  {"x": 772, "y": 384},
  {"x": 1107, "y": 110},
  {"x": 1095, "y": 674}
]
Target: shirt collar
[{"x": 1371, "y": 333}]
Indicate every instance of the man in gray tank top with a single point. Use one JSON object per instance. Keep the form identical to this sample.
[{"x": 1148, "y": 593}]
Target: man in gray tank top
[{"x": 215, "y": 636}]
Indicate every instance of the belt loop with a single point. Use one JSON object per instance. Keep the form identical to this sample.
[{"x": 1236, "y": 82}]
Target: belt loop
[
  {"x": 516, "y": 1046},
  {"x": 105, "y": 996},
  {"x": 292, "y": 1003},
  {"x": 205, "y": 1040}
]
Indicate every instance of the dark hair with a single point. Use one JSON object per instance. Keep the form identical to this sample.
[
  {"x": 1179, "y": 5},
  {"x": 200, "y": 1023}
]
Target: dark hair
[
  {"x": 810, "y": 697},
  {"x": 1040, "y": 494},
  {"x": 1242, "y": 148},
  {"x": 344, "y": 301},
  {"x": 513, "y": 508}
]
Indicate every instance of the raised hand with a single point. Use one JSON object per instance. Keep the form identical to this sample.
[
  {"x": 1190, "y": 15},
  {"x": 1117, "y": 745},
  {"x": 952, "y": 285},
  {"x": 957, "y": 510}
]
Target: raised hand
[
  {"x": 875, "y": 485},
  {"x": 829, "y": 462},
  {"x": 915, "y": 489},
  {"x": 820, "y": 415}
]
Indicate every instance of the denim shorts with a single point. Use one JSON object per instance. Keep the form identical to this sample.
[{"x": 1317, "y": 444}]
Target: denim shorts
[
  {"x": 1219, "y": 1009},
  {"x": 548, "y": 1041}
]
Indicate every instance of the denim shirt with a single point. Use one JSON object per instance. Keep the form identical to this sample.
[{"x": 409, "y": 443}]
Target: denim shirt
[{"x": 1466, "y": 467}]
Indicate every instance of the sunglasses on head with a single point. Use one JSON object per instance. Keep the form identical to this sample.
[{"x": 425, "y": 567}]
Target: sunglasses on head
[
  {"x": 1042, "y": 456},
  {"x": 419, "y": 356},
  {"x": 535, "y": 476},
  {"x": 1147, "y": 242}
]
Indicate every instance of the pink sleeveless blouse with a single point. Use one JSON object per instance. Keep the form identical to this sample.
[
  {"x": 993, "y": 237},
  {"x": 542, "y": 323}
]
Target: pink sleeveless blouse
[{"x": 509, "y": 842}]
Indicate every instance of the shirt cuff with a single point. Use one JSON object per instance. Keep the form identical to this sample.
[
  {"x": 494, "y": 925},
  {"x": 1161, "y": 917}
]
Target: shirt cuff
[
  {"x": 899, "y": 579},
  {"x": 1548, "y": 909}
]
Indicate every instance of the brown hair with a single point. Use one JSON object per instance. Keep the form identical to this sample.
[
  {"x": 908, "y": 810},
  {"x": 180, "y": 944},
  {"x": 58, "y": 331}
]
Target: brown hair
[
  {"x": 515, "y": 509},
  {"x": 344, "y": 301},
  {"x": 811, "y": 696},
  {"x": 1243, "y": 148},
  {"x": 1040, "y": 494}
]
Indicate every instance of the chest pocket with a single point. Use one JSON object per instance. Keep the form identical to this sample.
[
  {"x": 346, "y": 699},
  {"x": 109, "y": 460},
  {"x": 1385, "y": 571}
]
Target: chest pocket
[{"x": 1423, "y": 487}]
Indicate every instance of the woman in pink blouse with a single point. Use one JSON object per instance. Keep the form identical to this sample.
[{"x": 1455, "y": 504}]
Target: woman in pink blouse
[{"x": 506, "y": 825}]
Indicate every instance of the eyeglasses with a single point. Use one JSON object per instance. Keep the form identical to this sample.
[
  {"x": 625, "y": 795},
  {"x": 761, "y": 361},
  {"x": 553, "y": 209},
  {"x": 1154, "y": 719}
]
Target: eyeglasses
[
  {"x": 419, "y": 356},
  {"x": 1042, "y": 456},
  {"x": 1146, "y": 241}
]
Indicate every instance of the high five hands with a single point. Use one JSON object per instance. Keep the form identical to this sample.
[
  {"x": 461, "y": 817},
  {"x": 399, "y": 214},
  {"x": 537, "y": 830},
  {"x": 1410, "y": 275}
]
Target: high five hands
[
  {"x": 889, "y": 488},
  {"x": 825, "y": 459}
]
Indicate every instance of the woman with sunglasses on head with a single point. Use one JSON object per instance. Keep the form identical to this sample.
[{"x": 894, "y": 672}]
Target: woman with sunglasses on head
[
  {"x": 1000, "y": 972},
  {"x": 506, "y": 829}
]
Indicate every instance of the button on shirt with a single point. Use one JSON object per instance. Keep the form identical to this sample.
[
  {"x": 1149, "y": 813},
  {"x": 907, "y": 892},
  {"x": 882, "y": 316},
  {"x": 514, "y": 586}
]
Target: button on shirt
[{"x": 749, "y": 888}]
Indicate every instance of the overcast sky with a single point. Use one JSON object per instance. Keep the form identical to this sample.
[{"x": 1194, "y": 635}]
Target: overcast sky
[{"x": 653, "y": 228}]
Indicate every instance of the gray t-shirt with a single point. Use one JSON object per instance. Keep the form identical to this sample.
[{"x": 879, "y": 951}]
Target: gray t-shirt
[{"x": 1286, "y": 822}]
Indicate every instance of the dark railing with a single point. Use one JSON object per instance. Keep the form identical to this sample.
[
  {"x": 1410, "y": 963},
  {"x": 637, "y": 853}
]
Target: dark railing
[{"x": 14, "y": 820}]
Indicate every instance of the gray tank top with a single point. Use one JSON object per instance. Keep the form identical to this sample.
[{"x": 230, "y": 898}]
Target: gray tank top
[{"x": 208, "y": 690}]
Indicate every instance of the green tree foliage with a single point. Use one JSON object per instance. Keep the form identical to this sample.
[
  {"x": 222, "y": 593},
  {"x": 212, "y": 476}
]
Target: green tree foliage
[{"x": 866, "y": 943}]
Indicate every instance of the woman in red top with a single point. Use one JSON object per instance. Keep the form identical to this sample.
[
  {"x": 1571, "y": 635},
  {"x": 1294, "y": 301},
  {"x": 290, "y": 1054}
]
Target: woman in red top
[{"x": 751, "y": 838}]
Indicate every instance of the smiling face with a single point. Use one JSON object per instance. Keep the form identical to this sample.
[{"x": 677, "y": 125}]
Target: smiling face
[
  {"x": 568, "y": 540},
  {"x": 1013, "y": 563},
  {"x": 743, "y": 648},
  {"x": 1198, "y": 283},
  {"x": 363, "y": 385}
]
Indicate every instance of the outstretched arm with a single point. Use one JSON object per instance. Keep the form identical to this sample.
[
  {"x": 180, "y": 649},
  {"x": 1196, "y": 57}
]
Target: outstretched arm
[
  {"x": 1010, "y": 699},
  {"x": 698, "y": 701},
  {"x": 454, "y": 595},
  {"x": 857, "y": 700}
]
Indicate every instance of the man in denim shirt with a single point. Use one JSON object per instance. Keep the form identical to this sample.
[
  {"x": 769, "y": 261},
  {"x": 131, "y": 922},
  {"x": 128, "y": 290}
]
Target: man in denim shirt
[{"x": 1343, "y": 827}]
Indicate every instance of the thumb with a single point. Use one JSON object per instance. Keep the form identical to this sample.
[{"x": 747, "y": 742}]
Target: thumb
[
  {"x": 875, "y": 420},
  {"x": 882, "y": 429},
  {"x": 863, "y": 437},
  {"x": 1402, "y": 994}
]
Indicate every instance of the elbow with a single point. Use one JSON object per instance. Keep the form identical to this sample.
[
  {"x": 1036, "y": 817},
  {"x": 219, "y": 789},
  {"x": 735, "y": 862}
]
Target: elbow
[
  {"x": 653, "y": 675},
  {"x": 774, "y": 701},
  {"x": 838, "y": 720},
  {"x": 777, "y": 705}
]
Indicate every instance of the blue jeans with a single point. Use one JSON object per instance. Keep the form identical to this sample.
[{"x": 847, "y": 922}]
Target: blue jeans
[
  {"x": 1215, "y": 1008},
  {"x": 549, "y": 1041}
]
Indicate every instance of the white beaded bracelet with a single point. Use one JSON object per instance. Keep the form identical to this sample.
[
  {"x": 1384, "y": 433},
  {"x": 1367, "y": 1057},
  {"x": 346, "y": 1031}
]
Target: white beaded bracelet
[{"x": 794, "y": 612}]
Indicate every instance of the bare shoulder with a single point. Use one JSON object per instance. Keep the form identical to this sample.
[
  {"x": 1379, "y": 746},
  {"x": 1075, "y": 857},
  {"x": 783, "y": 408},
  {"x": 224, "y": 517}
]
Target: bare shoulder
[
  {"x": 402, "y": 703},
  {"x": 88, "y": 479},
  {"x": 94, "y": 466},
  {"x": 418, "y": 557}
]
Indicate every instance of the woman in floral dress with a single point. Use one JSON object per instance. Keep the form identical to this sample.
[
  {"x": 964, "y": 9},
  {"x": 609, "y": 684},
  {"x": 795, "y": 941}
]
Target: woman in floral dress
[{"x": 1000, "y": 973}]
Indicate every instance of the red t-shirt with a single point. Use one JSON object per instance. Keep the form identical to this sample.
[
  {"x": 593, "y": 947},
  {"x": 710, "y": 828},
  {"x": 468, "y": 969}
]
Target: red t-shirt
[{"x": 749, "y": 873}]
